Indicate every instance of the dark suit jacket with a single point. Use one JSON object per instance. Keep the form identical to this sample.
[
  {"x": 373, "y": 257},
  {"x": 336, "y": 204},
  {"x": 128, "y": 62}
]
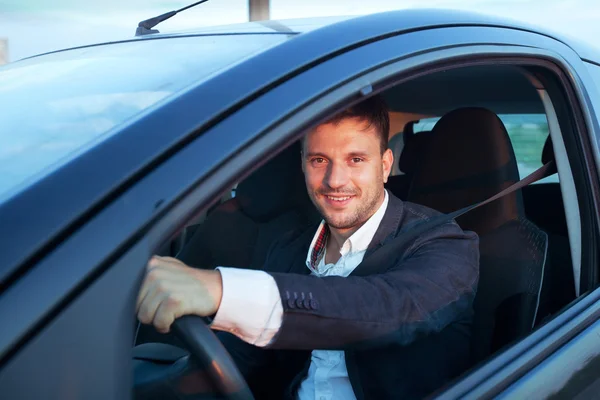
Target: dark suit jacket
[{"x": 404, "y": 326}]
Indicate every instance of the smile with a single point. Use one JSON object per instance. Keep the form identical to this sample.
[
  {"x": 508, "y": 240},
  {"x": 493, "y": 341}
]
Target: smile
[{"x": 338, "y": 198}]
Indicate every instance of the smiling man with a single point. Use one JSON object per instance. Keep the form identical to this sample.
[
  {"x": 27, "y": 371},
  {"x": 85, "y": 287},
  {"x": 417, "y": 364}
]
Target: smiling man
[{"x": 358, "y": 329}]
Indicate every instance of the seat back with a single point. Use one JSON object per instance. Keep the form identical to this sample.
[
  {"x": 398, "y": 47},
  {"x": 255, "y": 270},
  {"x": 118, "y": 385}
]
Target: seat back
[
  {"x": 414, "y": 145},
  {"x": 468, "y": 159},
  {"x": 268, "y": 203}
]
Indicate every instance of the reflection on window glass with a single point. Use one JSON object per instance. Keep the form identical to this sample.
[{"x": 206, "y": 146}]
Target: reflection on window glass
[
  {"x": 56, "y": 106},
  {"x": 527, "y": 132}
]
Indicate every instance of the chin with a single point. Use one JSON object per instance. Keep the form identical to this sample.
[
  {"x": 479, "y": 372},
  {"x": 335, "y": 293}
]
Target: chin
[{"x": 339, "y": 223}]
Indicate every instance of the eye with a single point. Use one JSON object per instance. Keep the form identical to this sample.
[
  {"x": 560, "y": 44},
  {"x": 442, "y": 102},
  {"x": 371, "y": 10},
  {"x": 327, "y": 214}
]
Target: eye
[
  {"x": 318, "y": 160},
  {"x": 357, "y": 159}
]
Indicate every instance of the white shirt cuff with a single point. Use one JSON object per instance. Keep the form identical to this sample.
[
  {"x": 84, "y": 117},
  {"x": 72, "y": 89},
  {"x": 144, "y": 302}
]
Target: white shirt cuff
[{"x": 250, "y": 306}]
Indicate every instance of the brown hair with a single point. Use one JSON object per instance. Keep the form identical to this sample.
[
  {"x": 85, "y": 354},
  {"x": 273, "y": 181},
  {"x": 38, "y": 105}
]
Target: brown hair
[{"x": 372, "y": 110}]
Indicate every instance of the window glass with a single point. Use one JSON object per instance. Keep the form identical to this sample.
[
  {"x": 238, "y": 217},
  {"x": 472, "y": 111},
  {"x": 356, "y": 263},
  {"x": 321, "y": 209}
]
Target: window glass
[
  {"x": 527, "y": 132},
  {"x": 56, "y": 105}
]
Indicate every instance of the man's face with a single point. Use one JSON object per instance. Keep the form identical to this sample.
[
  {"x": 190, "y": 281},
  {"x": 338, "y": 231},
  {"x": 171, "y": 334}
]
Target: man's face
[{"x": 345, "y": 172}]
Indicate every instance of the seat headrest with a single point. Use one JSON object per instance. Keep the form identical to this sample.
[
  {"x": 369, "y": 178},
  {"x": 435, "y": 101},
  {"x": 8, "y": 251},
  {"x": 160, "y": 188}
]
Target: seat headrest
[
  {"x": 414, "y": 148},
  {"x": 275, "y": 187},
  {"x": 468, "y": 159}
]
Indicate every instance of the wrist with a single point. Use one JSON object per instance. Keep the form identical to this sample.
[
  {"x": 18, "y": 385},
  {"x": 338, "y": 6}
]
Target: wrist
[
  {"x": 218, "y": 290},
  {"x": 213, "y": 284}
]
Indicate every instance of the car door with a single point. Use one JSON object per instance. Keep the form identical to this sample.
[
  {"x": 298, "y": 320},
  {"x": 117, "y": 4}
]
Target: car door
[
  {"x": 564, "y": 363},
  {"x": 80, "y": 347}
]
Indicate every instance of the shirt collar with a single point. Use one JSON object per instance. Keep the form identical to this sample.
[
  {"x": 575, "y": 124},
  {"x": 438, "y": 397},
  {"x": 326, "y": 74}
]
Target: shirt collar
[{"x": 359, "y": 241}]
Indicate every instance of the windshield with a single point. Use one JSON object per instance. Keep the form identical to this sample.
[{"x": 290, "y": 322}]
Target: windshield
[{"x": 57, "y": 105}]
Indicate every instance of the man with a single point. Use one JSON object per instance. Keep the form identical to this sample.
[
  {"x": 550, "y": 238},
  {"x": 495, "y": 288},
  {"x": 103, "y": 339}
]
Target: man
[{"x": 342, "y": 328}]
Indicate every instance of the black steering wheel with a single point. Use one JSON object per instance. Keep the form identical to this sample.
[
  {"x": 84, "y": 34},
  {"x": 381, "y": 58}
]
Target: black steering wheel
[
  {"x": 206, "y": 348},
  {"x": 157, "y": 365}
]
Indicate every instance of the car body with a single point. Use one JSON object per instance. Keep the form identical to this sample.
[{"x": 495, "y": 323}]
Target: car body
[{"x": 206, "y": 108}]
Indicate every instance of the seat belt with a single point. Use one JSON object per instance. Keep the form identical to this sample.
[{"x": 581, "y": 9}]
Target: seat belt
[{"x": 412, "y": 231}]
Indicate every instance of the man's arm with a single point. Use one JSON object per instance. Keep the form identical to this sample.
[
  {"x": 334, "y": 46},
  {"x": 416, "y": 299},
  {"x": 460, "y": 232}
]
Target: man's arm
[
  {"x": 431, "y": 288},
  {"x": 434, "y": 286}
]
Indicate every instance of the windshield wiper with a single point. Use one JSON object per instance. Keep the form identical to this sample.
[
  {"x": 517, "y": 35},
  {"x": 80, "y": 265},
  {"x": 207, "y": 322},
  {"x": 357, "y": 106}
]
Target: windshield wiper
[{"x": 145, "y": 27}]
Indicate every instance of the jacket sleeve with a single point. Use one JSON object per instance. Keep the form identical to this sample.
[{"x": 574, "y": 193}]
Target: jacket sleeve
[{"x": 430, "y": 287}]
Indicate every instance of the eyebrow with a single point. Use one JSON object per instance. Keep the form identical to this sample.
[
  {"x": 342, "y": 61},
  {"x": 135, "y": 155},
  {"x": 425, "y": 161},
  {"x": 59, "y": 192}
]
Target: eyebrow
[
  {"x": 311, "y": 154},
  {"x": 359, "y": 154},
  {"x": 351, "y": 154}
]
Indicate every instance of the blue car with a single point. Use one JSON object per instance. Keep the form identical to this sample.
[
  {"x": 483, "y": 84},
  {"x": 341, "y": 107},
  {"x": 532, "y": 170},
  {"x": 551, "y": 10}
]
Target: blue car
[{"x": 185, "y": 144}]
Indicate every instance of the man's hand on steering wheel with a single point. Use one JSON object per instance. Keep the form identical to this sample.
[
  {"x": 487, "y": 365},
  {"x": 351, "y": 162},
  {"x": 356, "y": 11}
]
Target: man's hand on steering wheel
[{"x": 171, "y": 289}]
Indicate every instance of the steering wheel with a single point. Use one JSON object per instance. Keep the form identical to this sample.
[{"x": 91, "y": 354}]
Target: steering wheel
[
  {"x": 158, "y": 363},
  {"x": 206, "y": 348}
]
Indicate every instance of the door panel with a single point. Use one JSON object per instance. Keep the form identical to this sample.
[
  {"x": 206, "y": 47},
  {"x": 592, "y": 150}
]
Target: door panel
[
  {"x": 85, "y": 352},
  {"x": 573, "y": 372}
]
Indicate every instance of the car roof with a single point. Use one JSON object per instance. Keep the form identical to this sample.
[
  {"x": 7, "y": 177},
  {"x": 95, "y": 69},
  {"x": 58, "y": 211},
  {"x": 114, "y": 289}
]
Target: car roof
[
  {"x": 294, "y": 25},
  {"x": 412, "y": 19}
]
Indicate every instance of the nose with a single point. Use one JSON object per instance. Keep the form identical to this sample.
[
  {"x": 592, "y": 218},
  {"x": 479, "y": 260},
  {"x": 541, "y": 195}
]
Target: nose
[{"x": 337, "y": 176}]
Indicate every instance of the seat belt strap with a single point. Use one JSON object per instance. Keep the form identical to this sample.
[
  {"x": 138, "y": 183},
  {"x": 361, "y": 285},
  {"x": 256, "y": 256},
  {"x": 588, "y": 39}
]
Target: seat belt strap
[{"x": 412, "y": 231}]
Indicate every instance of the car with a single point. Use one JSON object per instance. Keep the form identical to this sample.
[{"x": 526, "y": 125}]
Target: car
[{"x": 183, "y": 144}]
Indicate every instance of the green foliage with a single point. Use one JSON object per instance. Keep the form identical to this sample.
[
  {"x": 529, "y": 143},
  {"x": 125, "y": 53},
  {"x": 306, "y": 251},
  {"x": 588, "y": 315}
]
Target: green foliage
[{"x": 528, "y": 134}]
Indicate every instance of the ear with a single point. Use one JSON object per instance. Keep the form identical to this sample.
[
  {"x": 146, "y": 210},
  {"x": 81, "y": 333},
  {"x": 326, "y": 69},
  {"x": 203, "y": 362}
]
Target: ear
[{"x": 387, "y": 160}]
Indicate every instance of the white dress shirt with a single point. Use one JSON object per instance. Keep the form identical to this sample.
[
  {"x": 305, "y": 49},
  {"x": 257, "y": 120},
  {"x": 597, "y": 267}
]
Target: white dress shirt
[{"x": 251, "y": 309}]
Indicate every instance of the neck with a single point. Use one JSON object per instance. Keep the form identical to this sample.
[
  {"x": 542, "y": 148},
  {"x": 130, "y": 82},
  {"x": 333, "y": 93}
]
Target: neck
[{"x": 337, "y": 237}]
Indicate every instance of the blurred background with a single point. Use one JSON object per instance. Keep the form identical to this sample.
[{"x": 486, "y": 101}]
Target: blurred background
[{"x": 29, "y": 27}]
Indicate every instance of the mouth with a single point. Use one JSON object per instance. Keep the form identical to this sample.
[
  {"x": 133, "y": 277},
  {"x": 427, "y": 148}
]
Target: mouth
[{"x": 337, "y": 201}]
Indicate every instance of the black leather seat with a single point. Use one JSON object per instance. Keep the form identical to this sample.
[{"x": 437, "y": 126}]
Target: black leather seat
[
  {"x": 414, "y": 145},
  {"x": 468, "y": 159},
  {"x": 239, "y": 232}
]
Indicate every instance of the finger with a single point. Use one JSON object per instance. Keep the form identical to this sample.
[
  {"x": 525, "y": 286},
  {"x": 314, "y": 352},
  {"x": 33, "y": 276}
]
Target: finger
[
  {"x": 155, "y": 261},
  {"x": 151, "y": 277},
  {"x": 150, "y": 304},
  {"x": 165, "y": 315},
  {"x": 172, "y": 262}
]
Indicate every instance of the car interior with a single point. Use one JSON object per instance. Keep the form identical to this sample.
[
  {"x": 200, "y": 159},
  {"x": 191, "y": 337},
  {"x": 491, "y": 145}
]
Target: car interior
[{"x": 469, "y": 154}]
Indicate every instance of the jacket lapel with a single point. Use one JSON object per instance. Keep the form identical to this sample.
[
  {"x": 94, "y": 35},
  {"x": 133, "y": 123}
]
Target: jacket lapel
[
  {"x": 389, "y": 226},
  {"x": 298, "y": 264}
]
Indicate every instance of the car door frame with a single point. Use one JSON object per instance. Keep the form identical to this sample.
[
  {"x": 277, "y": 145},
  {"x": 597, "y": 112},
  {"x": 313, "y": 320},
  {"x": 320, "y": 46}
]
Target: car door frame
[{"x": 158, "y": 204}]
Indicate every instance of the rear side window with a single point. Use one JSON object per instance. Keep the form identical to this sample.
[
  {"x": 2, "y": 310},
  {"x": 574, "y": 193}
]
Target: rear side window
[{"x": 528, "y": 134}]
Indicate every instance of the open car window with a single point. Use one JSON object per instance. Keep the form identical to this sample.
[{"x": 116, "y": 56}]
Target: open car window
[{"x": 264, "y": 208}]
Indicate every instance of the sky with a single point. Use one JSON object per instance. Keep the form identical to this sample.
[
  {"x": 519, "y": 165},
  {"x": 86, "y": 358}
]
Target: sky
[{"x": 36, "y": 26}]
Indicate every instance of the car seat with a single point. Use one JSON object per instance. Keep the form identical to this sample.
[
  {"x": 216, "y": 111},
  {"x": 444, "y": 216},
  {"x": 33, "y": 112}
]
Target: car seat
[{"x": 468, "y": 159}]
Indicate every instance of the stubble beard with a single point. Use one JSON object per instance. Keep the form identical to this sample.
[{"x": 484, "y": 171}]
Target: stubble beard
[{"x": 357, "y": 217}]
